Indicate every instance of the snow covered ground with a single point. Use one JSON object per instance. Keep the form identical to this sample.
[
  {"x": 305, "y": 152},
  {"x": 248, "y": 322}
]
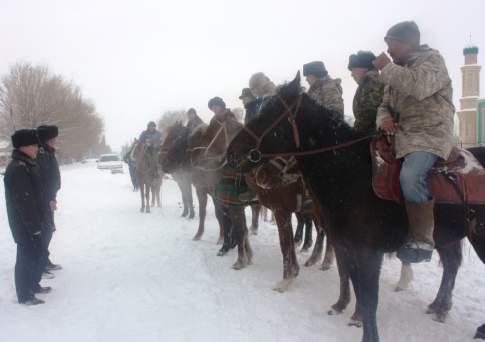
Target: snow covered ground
[{"x": 139, "y": 277}]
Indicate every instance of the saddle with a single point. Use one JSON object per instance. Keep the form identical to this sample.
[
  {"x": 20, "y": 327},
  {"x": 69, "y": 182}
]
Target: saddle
[{"x": 458, "y": 180}]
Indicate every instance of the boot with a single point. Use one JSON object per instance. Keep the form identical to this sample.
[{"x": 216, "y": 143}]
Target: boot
[
  {"x": 420, "y": 244},
  {"x": 41, "y": 289},
  {"x": 52, "y": 267},
  {"x": 32, "y": 301}
]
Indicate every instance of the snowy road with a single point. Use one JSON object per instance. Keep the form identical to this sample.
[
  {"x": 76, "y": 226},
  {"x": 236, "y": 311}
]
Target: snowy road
[{"x": 138, "y": 277}]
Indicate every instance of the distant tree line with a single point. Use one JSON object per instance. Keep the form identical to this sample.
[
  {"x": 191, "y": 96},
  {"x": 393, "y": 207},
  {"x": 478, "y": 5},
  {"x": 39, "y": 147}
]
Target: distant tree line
[{"x": 32, "y": 95}]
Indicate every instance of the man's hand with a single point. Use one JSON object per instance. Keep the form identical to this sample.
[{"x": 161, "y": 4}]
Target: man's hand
[
  {"x": 53, "y": 205},
  {"x": 381, "y": 61},
  {"x": 389, "y": 127}
]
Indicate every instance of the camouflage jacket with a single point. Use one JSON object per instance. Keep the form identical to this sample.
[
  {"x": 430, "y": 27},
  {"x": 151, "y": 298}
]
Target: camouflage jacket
[
  {"x": 327, "y": 92},
  {"x": 419, "y": 96},
  {"x": 367, "y": 99}
]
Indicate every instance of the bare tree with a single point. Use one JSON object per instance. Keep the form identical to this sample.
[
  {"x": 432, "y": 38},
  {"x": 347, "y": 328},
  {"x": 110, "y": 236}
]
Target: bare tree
[{"x": 31, "y": 96}]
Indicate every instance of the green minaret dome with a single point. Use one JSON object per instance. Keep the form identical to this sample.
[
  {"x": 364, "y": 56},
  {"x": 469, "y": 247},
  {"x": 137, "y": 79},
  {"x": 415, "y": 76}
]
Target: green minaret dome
[{"x": 470, "y": 50}]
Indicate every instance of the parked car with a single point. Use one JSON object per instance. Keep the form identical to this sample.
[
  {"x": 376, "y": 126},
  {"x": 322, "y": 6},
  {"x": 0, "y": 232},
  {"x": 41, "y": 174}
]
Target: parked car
[{"x": 110, "y": 162}]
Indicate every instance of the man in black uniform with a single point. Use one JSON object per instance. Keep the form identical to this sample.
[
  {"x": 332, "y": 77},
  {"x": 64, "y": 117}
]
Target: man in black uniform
[
  {"x": 50, "y": 183},
  {"x": 25, "y": 215}
]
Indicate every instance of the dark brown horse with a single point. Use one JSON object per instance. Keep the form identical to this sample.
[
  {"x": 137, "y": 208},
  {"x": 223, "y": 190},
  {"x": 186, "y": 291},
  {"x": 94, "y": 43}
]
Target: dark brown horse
[
  {"x": 361, "y": 226},
  {"x": 176, "y": 160}
]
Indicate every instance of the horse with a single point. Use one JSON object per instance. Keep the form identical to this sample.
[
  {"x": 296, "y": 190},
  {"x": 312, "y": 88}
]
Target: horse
[
  {"x": 147, "y": 172},
  {"x": 183, "y": 177},
  {"x": 128, "y": 159},
  {"x": 177, "y": 159},
  {"x": 336, "y": 165}
]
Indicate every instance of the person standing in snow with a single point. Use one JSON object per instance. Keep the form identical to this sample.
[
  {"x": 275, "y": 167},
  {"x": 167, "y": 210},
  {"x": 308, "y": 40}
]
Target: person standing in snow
[
  {"x": 50, "y": 178},
  {"x": 25, "y": 216},
  {"x": 324, "y": 90},
  {"x": 368, "y": 95},
  {"x": 417, "y": 110}
]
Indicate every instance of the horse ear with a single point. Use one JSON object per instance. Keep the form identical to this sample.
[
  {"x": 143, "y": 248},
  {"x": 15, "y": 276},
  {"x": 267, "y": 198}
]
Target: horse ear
[{"x": 295, "y": 84}]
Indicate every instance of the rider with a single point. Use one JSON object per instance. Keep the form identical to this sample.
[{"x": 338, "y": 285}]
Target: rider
[
  {"x": 326, "y": 91},
  {"x": 368, "y": 95},
  {"x": 417, "y": 109},
  {"x": 250, "y": 104},
  {"x": 193, "y": 120},
  {"x": 152, "y": 134},
  {"x": 262, "y": 87}
]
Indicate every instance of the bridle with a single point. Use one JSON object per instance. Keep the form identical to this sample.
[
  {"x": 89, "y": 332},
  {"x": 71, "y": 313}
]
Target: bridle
[{"x": 255, "y": 155}]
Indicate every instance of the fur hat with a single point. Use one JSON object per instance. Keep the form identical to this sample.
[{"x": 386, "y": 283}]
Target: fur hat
[
  {"x": 246, "y": 92},
  {"x": 216, "y": 101},
  {"x": 406, "y": 32},
  {"x": 25, "y": 137},
  {"x": 316, "y": 68},
  {"x": 363, "y": 59},
  {"x": 47, "y": 132},
  {"x": 152, "y": 124}
]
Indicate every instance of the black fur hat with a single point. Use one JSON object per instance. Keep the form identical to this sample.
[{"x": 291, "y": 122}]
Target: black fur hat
[
  {"x": 25, "y": 137},
  {"x": 46, "y": 132},
  {"x": 363, "y": 59},
  {"x": 216, "y": 101},
  {"x": 316, "y": 68}
]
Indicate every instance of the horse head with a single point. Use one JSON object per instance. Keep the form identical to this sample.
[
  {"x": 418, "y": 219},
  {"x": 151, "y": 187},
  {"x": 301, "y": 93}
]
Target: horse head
[
  {"x": 174, "y": 149},
  {"x": 273, "y": 131}
]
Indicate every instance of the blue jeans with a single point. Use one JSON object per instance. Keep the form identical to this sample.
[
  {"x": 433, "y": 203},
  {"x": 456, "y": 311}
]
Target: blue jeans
[{"x": 414, "y": 174}]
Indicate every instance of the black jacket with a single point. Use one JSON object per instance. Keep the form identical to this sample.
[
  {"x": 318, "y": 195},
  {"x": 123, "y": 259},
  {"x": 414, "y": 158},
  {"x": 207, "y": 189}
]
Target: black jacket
[
  {"x": 194, "y": 123},
  {"x": 23, "y": 197},
  {"x": 251, "y": 110},
  {"x": 50, "y": 181}
]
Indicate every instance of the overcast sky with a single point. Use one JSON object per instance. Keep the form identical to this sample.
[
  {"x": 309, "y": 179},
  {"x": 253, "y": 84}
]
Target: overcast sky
[{"x": 135, "y": 59}]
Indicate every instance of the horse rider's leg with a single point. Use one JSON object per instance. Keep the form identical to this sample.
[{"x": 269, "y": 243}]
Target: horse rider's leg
[
  {"x": 299, "y": 228},
  {"x": 202, "y": 197},
  {"x": 406, "y": 276},
  {"x": 287, "y": 245},
  {"x": 239, "y": 235},
  {"x": 451, "y": 256},
  {"x": 255, "y": 209},
  {"x": 308, "y": 242}
]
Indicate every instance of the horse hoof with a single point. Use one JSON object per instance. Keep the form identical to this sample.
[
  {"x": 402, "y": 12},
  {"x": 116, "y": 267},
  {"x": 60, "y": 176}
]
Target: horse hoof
[
  {"x": 440, "y": 317},
  {"x": 197, "y": 237},
  {"x": 283, "y": 285},
  {"x": 355, "y": 323},
  {"x": 325, "y": 267},
  {"x": 239, "y": 265},
  {"x": 310, "y": 262}
]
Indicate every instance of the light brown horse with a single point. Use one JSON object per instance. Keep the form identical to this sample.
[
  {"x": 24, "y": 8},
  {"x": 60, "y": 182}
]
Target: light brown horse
[{"x": 148, "y": 172}]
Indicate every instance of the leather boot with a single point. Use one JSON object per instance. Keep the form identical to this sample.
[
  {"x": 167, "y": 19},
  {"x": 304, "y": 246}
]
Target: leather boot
[{"x": 420, "y": 244}]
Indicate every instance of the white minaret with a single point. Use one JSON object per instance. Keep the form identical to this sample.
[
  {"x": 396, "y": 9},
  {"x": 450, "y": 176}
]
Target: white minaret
[{"x": 470, "y": 95}]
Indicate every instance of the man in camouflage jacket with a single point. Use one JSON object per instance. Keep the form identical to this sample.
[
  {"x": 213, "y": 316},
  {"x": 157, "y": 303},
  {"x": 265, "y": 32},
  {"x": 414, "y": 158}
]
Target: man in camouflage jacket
[
  {"x": 326, "y": 91},
  {"x": 417, "y": 110},
  {"x": 369, "y": 93}
]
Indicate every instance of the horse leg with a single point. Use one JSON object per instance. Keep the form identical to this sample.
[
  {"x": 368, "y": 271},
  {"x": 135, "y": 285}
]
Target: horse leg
[
  {"x": 220, "y": 218},
  {"x": 406, "y": 277},
  {"x": 308, "y": 242},
  {"x": 299, "y": 228},
  {"x": 290, "y": 263},
  {"x": 255, "y": 209},
  {"x": 451, "y": 257},
  {"x": 190, "y": 200},
  {"x": 239, "y": 236},
  {"x": 142, "y": 194},
  {"x": 329, "y": 256},
  {"x": 365, "y": 279},
  {"x": 202, "y": 197},
  {"x": 318, "y": 247},
  {"x": 343, "y": 265},
  {"x": 227, "y": 225},
  {"x": 147, "y": 198}
]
